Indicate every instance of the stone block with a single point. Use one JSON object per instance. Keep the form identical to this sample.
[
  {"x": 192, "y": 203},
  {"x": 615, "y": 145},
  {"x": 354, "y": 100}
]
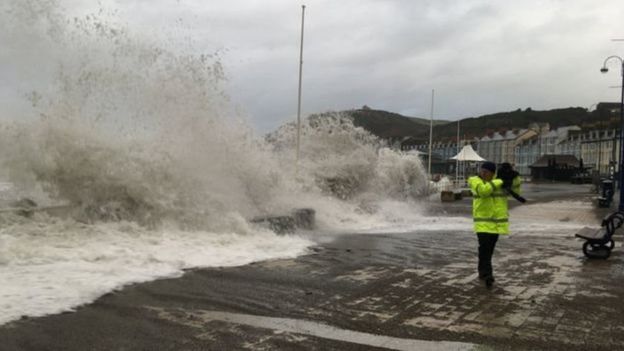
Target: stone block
[
  {"x": 447, "y": 196},
  {"x": 278, "y": 224},
  {"x": 304, "y": 218}
]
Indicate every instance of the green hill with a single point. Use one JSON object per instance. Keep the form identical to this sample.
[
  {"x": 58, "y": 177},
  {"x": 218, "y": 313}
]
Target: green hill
[
  {"x": 518, "y": 119},
  {"x": 391, "y": 125}
]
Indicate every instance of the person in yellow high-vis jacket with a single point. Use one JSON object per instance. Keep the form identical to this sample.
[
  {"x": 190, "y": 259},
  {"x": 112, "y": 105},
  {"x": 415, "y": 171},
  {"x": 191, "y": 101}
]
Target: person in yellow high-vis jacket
[{"x": 490, "y": 213}]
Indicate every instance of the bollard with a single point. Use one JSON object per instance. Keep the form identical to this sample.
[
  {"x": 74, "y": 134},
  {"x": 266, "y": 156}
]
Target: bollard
[{"x": 447, "y": 196}]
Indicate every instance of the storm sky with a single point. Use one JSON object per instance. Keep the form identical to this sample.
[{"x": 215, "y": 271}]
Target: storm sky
[{"x": 480, "y": 56}]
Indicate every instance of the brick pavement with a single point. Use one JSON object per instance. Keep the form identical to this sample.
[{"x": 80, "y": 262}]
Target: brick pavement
[
  {"x": 546, "y": 290},
  {"x": 419, "y": 285}
]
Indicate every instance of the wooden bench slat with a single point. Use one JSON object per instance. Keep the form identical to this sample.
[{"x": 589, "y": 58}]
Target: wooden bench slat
[{"x": 591, "y": 233}]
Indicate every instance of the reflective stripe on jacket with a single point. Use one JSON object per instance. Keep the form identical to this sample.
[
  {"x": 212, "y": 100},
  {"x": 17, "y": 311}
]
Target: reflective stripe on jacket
[{"x": 489, "y": 206}]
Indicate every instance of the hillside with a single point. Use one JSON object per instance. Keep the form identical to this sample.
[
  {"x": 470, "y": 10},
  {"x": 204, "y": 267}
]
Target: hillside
[
  {"x": 388, "y": 124},
  {"x": 518, "y": 119}
]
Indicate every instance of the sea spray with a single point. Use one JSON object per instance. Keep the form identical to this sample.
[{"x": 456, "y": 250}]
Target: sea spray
[
  {"x": 133, "y": 128},
  {"x": 348, "y": 161},
  {"x": 135, "y": 133}
]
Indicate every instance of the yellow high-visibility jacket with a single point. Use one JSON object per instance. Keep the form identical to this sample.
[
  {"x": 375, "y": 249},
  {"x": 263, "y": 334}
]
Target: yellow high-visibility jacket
[{"x": 489, "y": 205}]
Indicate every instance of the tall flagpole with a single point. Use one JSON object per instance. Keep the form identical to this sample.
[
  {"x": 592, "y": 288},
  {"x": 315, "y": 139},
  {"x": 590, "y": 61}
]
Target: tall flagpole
[
  {"x": 299, "y": 94},
  {"x": 431, "y": 132}
]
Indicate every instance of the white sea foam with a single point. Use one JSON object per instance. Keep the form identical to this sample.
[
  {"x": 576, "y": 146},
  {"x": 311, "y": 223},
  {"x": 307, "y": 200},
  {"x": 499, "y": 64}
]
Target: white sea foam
[
  {"x": 49, "y": 265},
  {"x": 392, "y": 216}
]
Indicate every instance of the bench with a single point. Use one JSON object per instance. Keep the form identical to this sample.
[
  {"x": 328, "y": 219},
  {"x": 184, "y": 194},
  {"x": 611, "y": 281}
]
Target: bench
[{"x": 599, "y": 242}]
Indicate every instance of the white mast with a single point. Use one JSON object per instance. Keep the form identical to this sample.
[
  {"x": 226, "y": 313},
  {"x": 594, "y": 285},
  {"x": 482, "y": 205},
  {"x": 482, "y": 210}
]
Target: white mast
[
  {"x": 457, "y": 160},
  {"x": 299, "y": 93},
  {"x": 431, "y": 131}
]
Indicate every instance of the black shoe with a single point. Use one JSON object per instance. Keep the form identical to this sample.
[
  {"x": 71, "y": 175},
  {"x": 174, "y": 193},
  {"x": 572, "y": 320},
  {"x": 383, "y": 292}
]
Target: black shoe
[
  {"x": 489, "y": 281},
  {"x": 485, "y": 276}
]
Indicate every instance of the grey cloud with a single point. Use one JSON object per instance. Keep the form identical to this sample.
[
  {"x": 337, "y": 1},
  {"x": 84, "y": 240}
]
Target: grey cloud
[{"x": 481, "y": 56}]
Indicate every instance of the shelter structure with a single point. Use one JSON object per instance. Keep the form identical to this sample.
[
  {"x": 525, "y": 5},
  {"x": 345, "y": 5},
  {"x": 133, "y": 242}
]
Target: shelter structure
[
  {"x": 556, "y": 167},
  {"x": 465, "y": 155}
]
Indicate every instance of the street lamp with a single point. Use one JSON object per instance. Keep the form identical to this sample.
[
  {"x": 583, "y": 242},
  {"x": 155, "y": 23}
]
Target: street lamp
[{"x": 604, "y": 69}]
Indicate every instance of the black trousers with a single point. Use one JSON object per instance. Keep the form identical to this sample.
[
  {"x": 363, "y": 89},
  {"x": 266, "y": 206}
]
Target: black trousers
[{"x": 487, "y": 243}]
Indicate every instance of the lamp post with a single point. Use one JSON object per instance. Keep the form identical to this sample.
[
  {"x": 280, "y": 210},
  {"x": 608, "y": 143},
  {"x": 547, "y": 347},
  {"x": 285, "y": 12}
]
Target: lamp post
[{"x": 604, "y": 69}]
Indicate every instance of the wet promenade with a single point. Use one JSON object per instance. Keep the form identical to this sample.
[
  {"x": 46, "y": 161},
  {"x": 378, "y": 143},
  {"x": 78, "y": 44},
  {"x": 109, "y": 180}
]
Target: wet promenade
[{"x": 407, "y": 291}]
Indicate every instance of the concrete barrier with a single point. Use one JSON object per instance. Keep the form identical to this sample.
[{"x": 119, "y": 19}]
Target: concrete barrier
[
  {"x": 303, "y": 218},
  {"x": 278, "y": 224}
]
